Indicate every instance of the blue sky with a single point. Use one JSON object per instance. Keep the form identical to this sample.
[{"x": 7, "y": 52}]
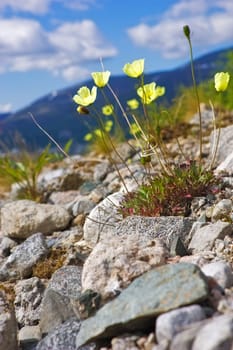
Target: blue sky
[{"x": 46, "y": 45}]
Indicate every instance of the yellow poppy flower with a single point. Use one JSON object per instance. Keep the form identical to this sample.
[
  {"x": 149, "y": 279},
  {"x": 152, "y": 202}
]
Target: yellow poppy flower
[
  {"x": 149, "y": 92},
  {"x": 134, "y": 69},
  {"x": 98, "y": 132},
  {"x": 85, "y": 97},
  {"x": 221, "y": 81},
  {"x": 160, "y": 90},
  {"x": 101, "y": 78},
  {"x": 134, "y": 129},
  {"x": 108, "y": 125},
  {"x": 107, "y": 110},
  {"x": 88, "y": 137},
  {"x": 133, "y": 104}
]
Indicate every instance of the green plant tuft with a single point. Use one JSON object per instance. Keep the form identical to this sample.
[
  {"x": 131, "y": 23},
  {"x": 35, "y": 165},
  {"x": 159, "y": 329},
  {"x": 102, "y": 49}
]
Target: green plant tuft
[
  {"x": 170, "y": 194},
  {"x": 24, "y": 170}
]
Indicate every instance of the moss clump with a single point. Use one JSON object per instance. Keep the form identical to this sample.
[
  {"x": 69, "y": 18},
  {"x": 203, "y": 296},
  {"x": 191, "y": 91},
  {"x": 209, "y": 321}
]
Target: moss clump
[
  {"x": 8, "y": 289},
  {"x": 46, "y": 267}
]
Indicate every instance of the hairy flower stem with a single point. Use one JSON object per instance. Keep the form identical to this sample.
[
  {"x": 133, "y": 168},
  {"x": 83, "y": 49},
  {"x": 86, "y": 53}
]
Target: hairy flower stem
[
  {"x": 49, "y": 136},
  {"x": 123, "y": 113},
  {"x": 187, "y": 34},
  {"x": 104, "y": 135},
  {"x": 216, "y": 138},
  {"x": 119, "y": 128}
]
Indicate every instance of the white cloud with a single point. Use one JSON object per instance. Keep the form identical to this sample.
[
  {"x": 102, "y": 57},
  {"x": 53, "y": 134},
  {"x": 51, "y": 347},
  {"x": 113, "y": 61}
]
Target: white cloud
[
  {"x": 5, "y": 108},
  {"x": 43, "y": 6},
  {"x": 210, "y": 22},
  {"x": 63, "y": 51},
  {"x": 21, "y": 36},
  {"x": 80, "y": 5},
  {"x": 82, "y": 40},
  {"x": 32, "y": 6},
  {"x": 186, "y": 8},
  {"x": 77, "y": 72}
]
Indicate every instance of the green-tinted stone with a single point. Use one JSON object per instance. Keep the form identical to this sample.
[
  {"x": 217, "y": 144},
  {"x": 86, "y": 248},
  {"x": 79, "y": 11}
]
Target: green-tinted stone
[{"x": 157, "y": 291}]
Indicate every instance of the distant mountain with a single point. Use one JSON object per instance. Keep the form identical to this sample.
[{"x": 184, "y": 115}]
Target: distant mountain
[
  {"x": 4, "y": 115},
  {"x": 56, "y": 112}
]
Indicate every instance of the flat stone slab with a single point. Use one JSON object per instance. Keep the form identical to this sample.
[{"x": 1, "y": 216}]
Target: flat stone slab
[
  {"x": 166, "y": 228},
  {"x": 157, "y": 291}
]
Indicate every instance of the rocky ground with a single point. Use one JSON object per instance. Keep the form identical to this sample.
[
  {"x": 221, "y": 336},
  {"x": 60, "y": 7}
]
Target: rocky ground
[{"x": 75, "y": 275}]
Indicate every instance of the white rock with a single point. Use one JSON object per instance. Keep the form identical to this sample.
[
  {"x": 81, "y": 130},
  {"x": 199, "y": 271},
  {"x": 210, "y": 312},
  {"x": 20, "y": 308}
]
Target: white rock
[
  {"x": 102, "y": 218},
  {"x": 221, "y": 271},
  {"x": 173, "y": 322},
  {"x": 226, "y": 165},
  {"x": 114, "y": 263},
  {"x": 29, "y": 334},
  {"x": 216, "y": 334},
  {"x": 20, "y": 219},
  {"x": 225, "y": 144},
  {"x": 222, "y": 209},
  {"x": 204, "y": 237}
]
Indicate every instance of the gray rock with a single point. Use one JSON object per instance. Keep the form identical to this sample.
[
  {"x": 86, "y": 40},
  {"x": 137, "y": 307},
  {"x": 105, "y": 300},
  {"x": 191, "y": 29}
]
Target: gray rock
[
  {"x": 20, "y": 219},
  {"x": 216, "y": 334},
  {"x": 102, "y": 219},
  {"x": 166, "y": 228},
  {"x": 98, "y": 194},
  {"x": 55, "y": 310},
  {"x": 100, "y": 171},
  {"x": 204, "y": 237},
  {"x": 124, "y": 152},
  {"x": 6, "y": 245},
  {"x": 114, "y": 263},
  {"x": 20, "y": 263},
  {"x": 8, "y": 325},
  {"x": 207, "y": 117},
  {"x": 225, "y": 145},
  {"x": 172, "y": 322},
  {"x": 87, "y": 187},
  {"x": 29, "y": 336},
  {"x": 131, "y": 175},
  {"x": 67, "y": 281},
  {"x": 151, "y": 294},
  {"x": 177, "y": 247},
  {"x": 82, "y": 205},
  {"x": 194, "y": 259},
  {"x": 59, "y": 298},
  {"x": 63, "y": 337},
  {"x": 222, "y": 209},
  {"x": 65, "y": 239},
  {"x": 62, "y": 179},
  {"x": 184, "y": 339},
  {"x": 28, "y": 297},
  {"x": 221, "y": 271},
  {"x": 126, "y": 342},
  {"x": 226, "y": 166},
  {"x": 63, "y": 198}
]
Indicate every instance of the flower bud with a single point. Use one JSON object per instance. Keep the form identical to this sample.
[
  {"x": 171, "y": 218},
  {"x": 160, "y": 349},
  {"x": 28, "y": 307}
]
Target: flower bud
[
  {"x": 82, "y": 110},
  {"x": 186, "y": 31}
]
